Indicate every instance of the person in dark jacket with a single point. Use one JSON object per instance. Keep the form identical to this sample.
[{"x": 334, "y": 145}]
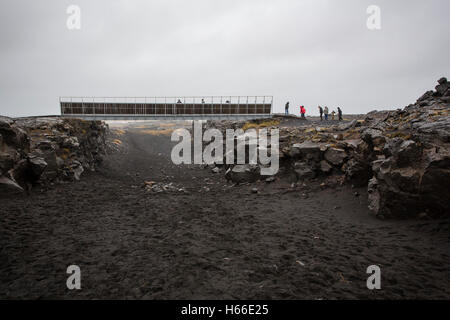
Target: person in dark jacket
[
  {"x": 286, "y": 108},
  {"x": 321, "y": 112},
  {"x": 339, "y": 114}
]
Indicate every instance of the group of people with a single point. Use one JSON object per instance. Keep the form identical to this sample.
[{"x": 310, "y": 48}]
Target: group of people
[{"x": 324, "y": 112}]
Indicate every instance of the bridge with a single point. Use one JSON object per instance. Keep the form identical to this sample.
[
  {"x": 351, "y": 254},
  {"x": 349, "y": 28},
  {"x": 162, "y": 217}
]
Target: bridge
[{"x": 167, "y": 108}]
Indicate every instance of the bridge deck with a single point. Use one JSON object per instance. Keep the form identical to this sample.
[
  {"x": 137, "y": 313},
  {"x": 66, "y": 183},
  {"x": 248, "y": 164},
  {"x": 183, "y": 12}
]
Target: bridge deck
[{"x": 207, "y": 109}]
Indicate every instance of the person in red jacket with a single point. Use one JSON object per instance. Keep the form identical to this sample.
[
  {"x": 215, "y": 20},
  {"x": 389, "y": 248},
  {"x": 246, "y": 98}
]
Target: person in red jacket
[{"x": 302, "y": 111}]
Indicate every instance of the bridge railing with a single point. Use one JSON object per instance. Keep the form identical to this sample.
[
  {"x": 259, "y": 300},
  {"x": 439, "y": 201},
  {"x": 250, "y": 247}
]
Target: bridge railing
[{"x": 167, "y": 106}]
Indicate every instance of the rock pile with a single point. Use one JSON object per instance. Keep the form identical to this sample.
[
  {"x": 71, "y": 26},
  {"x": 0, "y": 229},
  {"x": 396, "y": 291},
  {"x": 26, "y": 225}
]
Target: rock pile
[
  {"x": 159, "y": 187},
  {"x": 44, "y": 150},
  {"x": 402, "y": 156},
  {"x": 412, "y": 173}
]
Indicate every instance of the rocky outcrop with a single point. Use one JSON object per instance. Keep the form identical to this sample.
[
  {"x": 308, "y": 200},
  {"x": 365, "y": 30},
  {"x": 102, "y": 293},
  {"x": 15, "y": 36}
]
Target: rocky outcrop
[
  {"x": 414, "y": 176},
  {"x": 43, "y": 150},
  {"x": 402, "y": 156}
]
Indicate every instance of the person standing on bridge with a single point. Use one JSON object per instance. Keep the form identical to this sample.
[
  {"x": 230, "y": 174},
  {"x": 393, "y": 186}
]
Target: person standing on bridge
[
  {"x": 321, "y": 112},
  {"x": 339, "y": 114},
  {"x": 325, "y": 112},
  {"x": 286, "y": 108},
  {"x": 302, "y": 111}
]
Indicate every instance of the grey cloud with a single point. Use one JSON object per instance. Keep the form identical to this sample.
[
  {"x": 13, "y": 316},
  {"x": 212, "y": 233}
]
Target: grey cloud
[{"x": 308, "y": 52}]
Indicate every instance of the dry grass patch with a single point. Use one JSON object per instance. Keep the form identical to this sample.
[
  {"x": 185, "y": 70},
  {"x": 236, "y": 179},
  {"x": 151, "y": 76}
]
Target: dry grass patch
[
  {"x": 163, "y": 132},
  {"x": 117, "y": 142},
  {"x": 167, "y": 125},
  {"x": 264, "y": 124},
  {"x": 119, "y": 131}
]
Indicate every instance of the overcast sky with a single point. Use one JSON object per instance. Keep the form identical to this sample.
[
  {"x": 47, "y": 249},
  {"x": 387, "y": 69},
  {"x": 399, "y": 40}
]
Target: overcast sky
[{"x": 307, "y": 52}]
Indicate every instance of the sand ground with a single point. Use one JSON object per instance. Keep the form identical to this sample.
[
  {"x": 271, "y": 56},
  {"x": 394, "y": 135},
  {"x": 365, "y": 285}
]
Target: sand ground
[{"x": 221, "y": 243}]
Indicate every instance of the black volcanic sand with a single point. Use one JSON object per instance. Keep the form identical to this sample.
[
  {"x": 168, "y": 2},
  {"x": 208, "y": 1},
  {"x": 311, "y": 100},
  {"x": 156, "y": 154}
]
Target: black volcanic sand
[{"x": 227, "y": 243}]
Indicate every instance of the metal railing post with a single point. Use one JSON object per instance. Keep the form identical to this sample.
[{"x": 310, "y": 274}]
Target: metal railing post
[
  {"x": 247, "y": 104},
  {"x": 264, "y": 104},
  {"x": 238, "y": 106},
  {"x": 271, "y": 105}
]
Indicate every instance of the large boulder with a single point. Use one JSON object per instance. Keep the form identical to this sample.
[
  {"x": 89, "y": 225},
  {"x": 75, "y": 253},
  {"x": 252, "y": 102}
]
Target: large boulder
[
  {"x": 408, "y": 153},
  {"x": 406, "y": 185},
  {"x": 9, "y": 186},
  {"x": 304, "y": 170},
  {"x": 325, "y": 167},
  {"x": 5, "y": 122},
  {"x": 443, "y": 86},
  {"x": 426, "y": 96},
  {"x": 20, "y": 173},
  {"x": 374, "y": 198},
  {"x": 435, "y": 182},
  {"x": 405, "y": 152},
  {"x": 373, "y": 136},
  {"x": 394, "y": 193},
  {"x": 7, "y": 161},
  {"x": 439, "y": 129},
  {"x": 77, "y": 169},
  {"x": 71, "y": 142},
  {"x": 358, "y": 171},
  {"x": 13, "y": 136},
  {"x": 307, "y": 150},
  {"x": 37, "y": 167},
  {"x": 46, "y": 145},
  {"x": 349, "y": 125},
  {"x": 335, "y": 156},
  {"x": 391, "y": 146}
]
